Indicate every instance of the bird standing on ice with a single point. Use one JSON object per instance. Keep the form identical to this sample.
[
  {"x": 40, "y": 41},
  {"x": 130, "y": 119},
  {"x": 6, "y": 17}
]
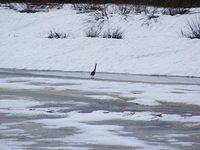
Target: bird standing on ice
[{"x": 94, "y": 71}]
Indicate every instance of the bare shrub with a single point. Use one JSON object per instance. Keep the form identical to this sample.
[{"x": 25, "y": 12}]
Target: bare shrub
[
  {"x": 193, "y": 29},
  {"x": 152, "y": 16},
  {"x": 141, "y": 9},
  {"x": 115, "y": 34},
  {"x": 85, "y": 8},
  {"x": 125, "y": 9},
  {"x": 56, "y": 35},
  {"x": 175, "y": 11},
  {"x": 137, "y": 9},
  {"x": 96, "y": 32},
  {"x": 32, "y": 8},
  {"x": 93, "y": 32},
  {"x": 100, "y": 15},
  {"x": 10, "y": 6},
  {"x": 151, "y": 20},
  {"x": 98, "y": 18},
  {"x": 28, "y": 10},
  {"x": 15, "y": 6}
]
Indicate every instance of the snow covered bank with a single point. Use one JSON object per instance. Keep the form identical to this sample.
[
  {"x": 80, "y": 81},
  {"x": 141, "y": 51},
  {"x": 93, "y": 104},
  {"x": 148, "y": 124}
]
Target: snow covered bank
[{"x": 149, "y": 46}]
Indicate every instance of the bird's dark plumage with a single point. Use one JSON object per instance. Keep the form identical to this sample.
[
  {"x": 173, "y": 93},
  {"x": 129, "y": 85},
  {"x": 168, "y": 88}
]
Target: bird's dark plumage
[{"x": 94, "y": 71}]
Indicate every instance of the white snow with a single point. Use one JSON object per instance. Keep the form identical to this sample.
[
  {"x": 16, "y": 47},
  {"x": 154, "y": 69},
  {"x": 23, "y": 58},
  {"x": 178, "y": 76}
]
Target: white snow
[
  {"x": 142, "y": 93},
  {"x": 105, "y": 97},
  {"x": 9, "y": 145},
  {"x": 148, "y": 47},
  {"x": 108, "y": 134},
  {"x": 64, "y": 148},
  {"x": 25, "y": 107},
  {"x": 19, "y": 103},
  {"x": 12, "y": 144}
]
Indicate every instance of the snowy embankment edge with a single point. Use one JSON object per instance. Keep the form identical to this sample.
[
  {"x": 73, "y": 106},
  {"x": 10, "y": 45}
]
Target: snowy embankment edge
[{"x": 156, "y": 49}]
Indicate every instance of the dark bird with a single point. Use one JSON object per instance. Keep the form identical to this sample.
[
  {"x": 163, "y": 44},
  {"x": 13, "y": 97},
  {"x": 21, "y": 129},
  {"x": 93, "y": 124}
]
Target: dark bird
[{"x": 94, "y": 71}]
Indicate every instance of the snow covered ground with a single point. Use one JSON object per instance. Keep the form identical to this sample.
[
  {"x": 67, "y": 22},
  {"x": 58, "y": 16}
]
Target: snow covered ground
[{"x": 149, "y": 46}]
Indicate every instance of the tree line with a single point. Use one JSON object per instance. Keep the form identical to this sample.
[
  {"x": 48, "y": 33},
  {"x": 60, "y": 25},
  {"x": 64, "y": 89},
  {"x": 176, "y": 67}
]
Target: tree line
[{"x": 157, "y": 3}]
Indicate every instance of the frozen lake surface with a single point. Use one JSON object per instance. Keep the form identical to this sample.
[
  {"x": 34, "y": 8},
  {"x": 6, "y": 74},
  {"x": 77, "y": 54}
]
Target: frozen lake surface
[{"x": 69, "y": 110}]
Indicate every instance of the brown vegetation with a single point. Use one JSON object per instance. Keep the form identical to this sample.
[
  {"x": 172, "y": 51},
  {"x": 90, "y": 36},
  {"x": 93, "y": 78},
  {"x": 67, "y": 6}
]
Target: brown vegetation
[
  {"x": 193, "y": 29},
  {"x": 159, "y": 3}
]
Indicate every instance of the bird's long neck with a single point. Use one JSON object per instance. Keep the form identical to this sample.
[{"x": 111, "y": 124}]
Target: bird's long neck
[{"x": 95, "y": 67}]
